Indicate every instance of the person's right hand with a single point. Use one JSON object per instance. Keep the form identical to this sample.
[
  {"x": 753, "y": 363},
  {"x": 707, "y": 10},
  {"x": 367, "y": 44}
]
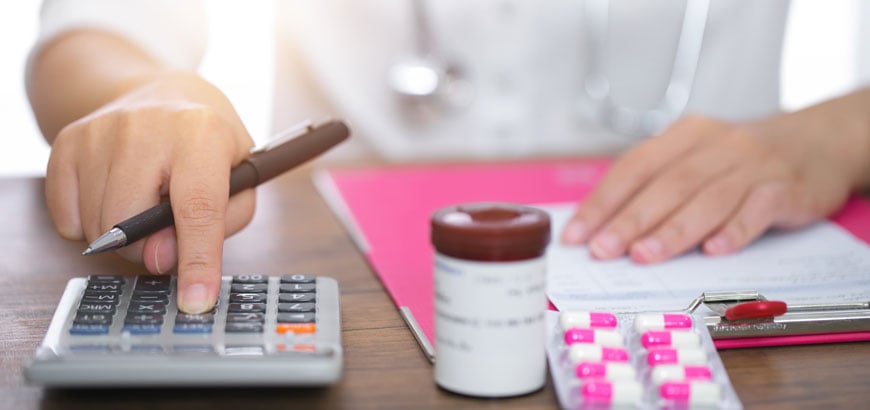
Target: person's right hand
[{"x": 173, "y": 135}]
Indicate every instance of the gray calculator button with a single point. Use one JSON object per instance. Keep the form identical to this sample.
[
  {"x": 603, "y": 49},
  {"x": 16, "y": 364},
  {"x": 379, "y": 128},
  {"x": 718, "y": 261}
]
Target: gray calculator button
[
  {"x": 298, "y": 278},
  {"x": 295, "y": 307},
  {"x": 101, "y": 297},
  {"x": 146, "y": 349},
  {"x": 146, "y": 307},
  {"x": 297, "y": 288},
  {"x": 248, "y": 288},
  {"x": 243, "y": 327},
  {"x": 90, "y": 307},
  {"x": 246, "y": 307},
  {"x": 93, "y": 319},
  {"x": 295, "y": 317},
  {"x": 192, "y": 350},
  {"x": 246, "y": 317},
  {"x": 244, "y": 351},
  {"x": 248, "y": 298},
  {"x": 255, "y": 278},
  {"x": 296, "y": 297},
  {"x": 90, "y": 349},
  {"x": 104, "y": 287},
  {"x": 194, "y": 318}
]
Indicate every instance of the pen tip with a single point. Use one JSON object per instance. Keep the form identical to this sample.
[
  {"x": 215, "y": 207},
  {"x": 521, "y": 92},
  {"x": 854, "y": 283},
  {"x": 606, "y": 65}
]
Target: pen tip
[{"x": 87, "y": 251}]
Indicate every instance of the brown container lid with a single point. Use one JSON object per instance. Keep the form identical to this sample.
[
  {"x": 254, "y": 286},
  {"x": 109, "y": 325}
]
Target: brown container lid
[{"x": 490, "y": 231}]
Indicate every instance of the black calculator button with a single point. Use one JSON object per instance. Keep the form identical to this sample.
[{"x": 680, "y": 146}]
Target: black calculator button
[
  {"x": 247, "y": 307},
  {"x": 248, "y": 288},
  {"x": 296, "y": 297},
  {"x": 246, "y": 317},
  {"x": 101, "y": 297},
  {"x": 194, "y": 318},
  {"x": 143, "y": 319},
  {"x": 248, "y": 298},
  {"x": 146, "y": 307},
  {"x": 297, "y": 288},
  {"x": 298, "y": 278},
  {"x": 93, "y": 319},
  {"x": 88, "y": 329},
  {"x": 104, "y": 287},
  {"x": 295, "y": 317},
  {"x": 149, "y": 298},
  {"x": 244, "y": 327},
  {"x": 295, "y": 307},
  {"x": 250, "y": 279},
  {"x": 106, "y": 279},
  {"x": 91, "y": 307}
]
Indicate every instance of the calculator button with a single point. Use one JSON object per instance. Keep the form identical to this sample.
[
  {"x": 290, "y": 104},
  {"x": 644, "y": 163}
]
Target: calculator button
[
  {"x": 244, "y": 351},
  {"x": 296, "y": 318},
  {"x": 143, "y": 319},
  {"x": 298, "y": 278},
  {"x": 202, "y": 318},
  {"x": 192, "y": 349},
  {"x": 248, "y": 298},
  {"x": 247, "y": 307},
  {"x": 192, "y": 328},
  {"x": 104, "y": 287},
  {"x": 106, "y": 279},
  {"x": 149, "y": 298},
  {"x": 248, "y": 288},
  {"x": 142, "y": 329},
  {"x": 246, "y": 317},
  {"x": 146, "y": 307},
  {"x": 90, "y": 307},
  {"x": 295, "y": 297},
  {"x": 93, "y": 319},
  {"x": 101, "y": 297},
  {"x": 297, "y": 288},
  {"x": 250, "y": 279},
  {"x": 90, "y": 349},
  {"x": 295, "y": 307},
  {"x": 146, "y": 349},
  {"x": 297, "y": 328},
  {"x": 243, "y": 327},
  {"x": 88, "y": 329}
]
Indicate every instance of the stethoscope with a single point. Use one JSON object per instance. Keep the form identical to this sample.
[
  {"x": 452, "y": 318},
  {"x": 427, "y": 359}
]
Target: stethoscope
[{"x": 427, "y": 80}]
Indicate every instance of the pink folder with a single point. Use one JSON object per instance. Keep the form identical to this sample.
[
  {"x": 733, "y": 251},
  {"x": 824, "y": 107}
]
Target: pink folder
[{"x": 387, "y": 210}]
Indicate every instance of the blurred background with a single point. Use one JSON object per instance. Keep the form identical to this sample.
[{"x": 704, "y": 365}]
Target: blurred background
[{"x": 822, "y": 57}]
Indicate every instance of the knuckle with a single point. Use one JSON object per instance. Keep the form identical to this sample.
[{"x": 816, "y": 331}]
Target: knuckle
[
  {"x": 196, "y": 263},
  {"x": 200, "y": 211}
]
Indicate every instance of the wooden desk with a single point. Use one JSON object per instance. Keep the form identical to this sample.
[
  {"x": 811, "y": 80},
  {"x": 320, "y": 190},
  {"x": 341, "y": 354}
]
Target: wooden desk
[{"x": 293, "y": 230}]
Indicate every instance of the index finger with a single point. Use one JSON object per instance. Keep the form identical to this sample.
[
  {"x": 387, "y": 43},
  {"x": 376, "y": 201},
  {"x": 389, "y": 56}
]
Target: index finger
[{"x": 199, "y": 191}]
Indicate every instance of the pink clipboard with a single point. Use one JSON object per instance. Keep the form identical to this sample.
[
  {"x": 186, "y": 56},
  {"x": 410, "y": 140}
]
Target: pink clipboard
[{"x": 387, "y": 210}]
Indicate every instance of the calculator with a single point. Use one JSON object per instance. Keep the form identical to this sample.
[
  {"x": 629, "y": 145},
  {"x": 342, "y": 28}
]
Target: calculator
[{"x": 117, "y": 331}]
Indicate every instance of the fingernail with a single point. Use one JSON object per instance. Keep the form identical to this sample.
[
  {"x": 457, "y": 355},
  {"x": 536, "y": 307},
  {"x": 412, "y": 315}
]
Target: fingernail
[
  {"x": 194, "y": 299},
  {"x": 606, "y": 245},
  {"x": 165, "y": 255},
  {"x": 717, "y": 245},
  {"x": 648, "y": 250},
  {"x": 575, "y": 232}
]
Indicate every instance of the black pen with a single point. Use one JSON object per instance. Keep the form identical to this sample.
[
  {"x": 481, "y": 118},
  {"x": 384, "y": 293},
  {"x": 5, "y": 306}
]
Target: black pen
[{"x": 285, "y": 151}]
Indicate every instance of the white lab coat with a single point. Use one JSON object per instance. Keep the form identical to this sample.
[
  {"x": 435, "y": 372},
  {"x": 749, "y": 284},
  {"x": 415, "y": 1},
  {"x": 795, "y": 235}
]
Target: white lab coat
[{"x": 524, "y": 60}]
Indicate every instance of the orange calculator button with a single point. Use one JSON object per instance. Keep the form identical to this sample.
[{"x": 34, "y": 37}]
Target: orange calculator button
[{"x": 297, "y": 328}]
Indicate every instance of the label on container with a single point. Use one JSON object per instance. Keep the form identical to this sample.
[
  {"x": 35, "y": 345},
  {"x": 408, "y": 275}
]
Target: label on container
[{"x": 489, "y": 326}]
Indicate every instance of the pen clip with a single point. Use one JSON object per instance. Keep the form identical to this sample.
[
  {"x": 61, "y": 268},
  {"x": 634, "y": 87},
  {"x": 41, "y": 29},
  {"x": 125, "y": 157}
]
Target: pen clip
[{"x": 284, "y": 136}]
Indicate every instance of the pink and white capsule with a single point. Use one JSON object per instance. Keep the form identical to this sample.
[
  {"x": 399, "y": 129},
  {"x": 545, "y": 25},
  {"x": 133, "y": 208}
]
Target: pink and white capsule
[
  {"x": 581, "y": 352},
  {"x": 570, "y": 320},
  {"x": 676, "y": 373},
  {"x": 693, "y": 393},
  {"x": 613, "y": 371},
  {"x": 666, "y": 338},
  {"x": 662, "y": 321},
  {"x": 593, "y": 336},
  {"x": 619, "y": 393},
  {"x": 667, "y": 355}
]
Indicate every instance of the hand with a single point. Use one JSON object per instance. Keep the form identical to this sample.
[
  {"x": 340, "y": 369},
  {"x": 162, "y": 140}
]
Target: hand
[
  {"x": 715, "y": 184},
  {"x": 174, "y": 135}
]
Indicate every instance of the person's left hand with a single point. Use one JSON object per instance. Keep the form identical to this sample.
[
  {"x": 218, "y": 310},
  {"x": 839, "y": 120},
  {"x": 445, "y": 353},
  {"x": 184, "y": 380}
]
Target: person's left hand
[{"x": 715, "y": 184}]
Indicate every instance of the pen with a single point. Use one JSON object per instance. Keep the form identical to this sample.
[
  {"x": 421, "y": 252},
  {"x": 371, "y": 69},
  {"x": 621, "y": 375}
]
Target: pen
[{"x": 285, "y": 151}]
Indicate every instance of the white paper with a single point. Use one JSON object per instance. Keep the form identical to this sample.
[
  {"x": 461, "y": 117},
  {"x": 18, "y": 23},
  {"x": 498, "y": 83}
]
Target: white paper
[{"x": 822, "y": 263}]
